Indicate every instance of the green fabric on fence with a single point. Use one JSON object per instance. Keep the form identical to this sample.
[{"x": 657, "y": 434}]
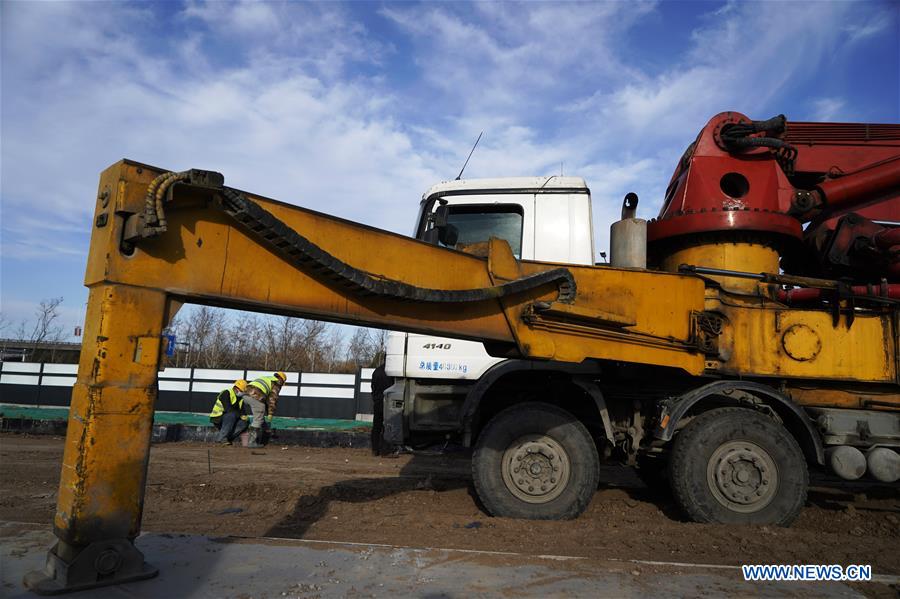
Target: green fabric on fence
[{"x": 187, "y": 418}]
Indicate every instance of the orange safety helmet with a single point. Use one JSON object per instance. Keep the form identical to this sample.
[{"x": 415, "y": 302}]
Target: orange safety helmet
[{"x": 240, "y": 384}]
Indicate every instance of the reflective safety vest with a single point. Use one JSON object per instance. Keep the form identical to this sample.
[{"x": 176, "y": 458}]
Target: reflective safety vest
[
  {"x": 219, "y": 409},
  {"x": 264, "y": 383}
]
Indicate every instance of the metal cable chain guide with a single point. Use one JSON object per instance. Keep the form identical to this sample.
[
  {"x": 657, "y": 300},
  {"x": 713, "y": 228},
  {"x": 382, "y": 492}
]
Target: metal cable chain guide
[{"x": 302, "y": 253}]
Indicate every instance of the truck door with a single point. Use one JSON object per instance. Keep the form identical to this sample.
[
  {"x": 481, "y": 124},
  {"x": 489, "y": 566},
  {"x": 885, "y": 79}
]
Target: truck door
[{"x": 563, "y": 230}]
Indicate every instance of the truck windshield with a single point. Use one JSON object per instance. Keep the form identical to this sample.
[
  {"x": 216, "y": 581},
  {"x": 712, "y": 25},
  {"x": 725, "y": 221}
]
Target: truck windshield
[{"x": 478, "y": 223}]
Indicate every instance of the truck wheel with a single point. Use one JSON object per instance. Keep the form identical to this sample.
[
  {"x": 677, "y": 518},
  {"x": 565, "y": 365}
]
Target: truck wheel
[
  {"x": 737, "y": 466},
  {"x": 535, "y": 461}
]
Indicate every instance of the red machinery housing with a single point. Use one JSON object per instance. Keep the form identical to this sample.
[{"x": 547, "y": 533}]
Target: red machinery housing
[{"x": 826, "y": 195}]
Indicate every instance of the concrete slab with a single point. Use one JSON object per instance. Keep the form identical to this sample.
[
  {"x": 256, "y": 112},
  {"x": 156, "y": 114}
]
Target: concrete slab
[{"x": 197, "y": 566}]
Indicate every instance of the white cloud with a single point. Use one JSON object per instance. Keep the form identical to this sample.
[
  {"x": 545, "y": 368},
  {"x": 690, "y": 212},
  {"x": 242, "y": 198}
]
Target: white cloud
[
  {"x": 876, "y": 24},
  {"x": 560, "y": 76},
  {"x": 268, "y": 124},
  {"x": 280, "y": 123},
  {"x": 741, "y": 59},
  {"x": 298, "y": 101},
  {"x": 321, "y": 36},
  {"x": 255, "y": 18},
  {"x": 513, "y": 60},
  {"x": 827, "y": 109}
]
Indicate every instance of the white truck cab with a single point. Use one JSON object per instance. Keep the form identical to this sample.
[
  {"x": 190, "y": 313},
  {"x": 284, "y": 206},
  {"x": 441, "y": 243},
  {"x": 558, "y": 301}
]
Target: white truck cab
[{"x": 542, "y": 218}]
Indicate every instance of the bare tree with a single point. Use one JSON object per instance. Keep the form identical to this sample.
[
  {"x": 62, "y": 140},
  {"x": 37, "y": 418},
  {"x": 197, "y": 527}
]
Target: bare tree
[
  {"x": 332, "y": 348},
  {"x": 312, "y": 345},
  {"x": 210, "y": 338},
  {"x": 247, "y": 336},
  {"x": 281, "y": 336},
  {"x": 5, "y": 324},
  {"x": 366, "y": 348},
  {"x": 205, "y": 331},
  {"x": 46, "y": 327},
  {"x": 379, "y": 341}
]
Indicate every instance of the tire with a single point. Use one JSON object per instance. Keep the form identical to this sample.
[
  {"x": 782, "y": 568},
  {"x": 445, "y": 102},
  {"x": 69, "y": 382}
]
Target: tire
[
  {"x": 737, "y": 466},
  {"x": 560, "y": 455}
]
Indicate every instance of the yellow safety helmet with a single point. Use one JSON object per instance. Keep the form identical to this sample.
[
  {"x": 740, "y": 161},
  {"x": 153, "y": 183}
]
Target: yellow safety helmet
[
  {"x": 281, "y": 376},
  {"x": 241, "y": 384}
]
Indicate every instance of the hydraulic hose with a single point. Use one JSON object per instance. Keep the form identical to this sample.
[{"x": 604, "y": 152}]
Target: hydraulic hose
[
  {"x": 154, "y": 213},
  {"x": 739, "y": 136}
]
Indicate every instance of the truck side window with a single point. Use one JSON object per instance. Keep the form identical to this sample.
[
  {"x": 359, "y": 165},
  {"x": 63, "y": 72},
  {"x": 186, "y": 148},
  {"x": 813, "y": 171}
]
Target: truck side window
[{"x": 478, "y": 223}]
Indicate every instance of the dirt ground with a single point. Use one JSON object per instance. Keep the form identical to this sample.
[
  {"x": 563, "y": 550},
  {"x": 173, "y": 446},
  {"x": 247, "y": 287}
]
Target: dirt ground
[{"x": 426, "y": 501}]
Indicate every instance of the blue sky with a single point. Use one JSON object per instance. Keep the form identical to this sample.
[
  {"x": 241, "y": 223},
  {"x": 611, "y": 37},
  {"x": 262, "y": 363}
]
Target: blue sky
[{"x": 355, "y": 109}]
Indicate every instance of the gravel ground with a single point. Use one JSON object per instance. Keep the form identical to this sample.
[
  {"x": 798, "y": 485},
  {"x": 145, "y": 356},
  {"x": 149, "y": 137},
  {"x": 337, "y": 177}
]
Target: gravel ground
[{"x": 426, "y": 500}]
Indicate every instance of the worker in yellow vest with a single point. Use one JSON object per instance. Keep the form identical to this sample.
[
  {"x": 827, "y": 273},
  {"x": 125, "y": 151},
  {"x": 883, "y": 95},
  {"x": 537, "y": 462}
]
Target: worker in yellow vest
[
  {"x": 228, "y": 412},
  {"x": 262, "y": 398}
]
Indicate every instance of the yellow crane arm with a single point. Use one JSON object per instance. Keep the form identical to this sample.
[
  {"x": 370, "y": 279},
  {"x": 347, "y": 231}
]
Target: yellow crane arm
[
  {"x": 215, "y": 253},
  {"x": 160, "y": 240}
]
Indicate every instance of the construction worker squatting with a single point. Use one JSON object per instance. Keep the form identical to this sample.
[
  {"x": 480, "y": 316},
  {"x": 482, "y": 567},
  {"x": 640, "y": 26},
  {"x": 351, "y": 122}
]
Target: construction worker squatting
[
  {"x": 262, "y": 398},
  {"x": 228, "y": 412}
]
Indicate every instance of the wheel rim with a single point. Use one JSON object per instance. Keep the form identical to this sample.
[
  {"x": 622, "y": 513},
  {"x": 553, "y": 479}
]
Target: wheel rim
[
  {"x": 536, "y": 468},
  {"x": 742, "y": 476}
]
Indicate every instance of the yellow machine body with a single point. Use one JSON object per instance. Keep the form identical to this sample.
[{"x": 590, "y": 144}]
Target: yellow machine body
[
  {"x": 618, "y": 315},
  {"x": 763, "y": 338}
]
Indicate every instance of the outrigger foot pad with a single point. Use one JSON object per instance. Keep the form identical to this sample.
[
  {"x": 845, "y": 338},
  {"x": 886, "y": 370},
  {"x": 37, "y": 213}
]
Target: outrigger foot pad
[{"x": 101, "y": 563}]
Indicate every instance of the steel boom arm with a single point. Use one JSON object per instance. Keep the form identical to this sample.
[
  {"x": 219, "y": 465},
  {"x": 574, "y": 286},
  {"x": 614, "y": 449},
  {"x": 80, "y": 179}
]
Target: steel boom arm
[{"x": 207, "y": 256}]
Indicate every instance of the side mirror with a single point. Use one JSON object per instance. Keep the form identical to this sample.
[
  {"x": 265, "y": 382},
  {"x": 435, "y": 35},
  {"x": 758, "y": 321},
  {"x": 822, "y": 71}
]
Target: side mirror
[
  {"x": 441, "y": 230},
  {"x": 448, "y": 235}
]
